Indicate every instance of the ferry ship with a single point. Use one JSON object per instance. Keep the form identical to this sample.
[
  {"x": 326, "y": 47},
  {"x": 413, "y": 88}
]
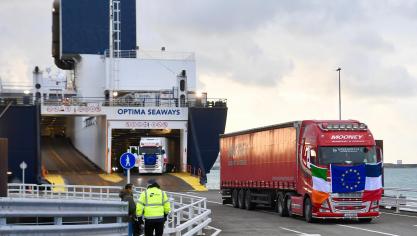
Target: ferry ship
[{"x": 109, "y": 94}]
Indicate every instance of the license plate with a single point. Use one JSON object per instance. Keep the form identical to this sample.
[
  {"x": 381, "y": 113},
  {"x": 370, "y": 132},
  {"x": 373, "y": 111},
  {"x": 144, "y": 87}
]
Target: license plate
[{"x": 351, "y": 215}]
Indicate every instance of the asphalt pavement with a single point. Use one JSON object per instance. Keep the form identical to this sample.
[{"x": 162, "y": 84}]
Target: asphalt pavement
[{"x": 263, "y": 221}]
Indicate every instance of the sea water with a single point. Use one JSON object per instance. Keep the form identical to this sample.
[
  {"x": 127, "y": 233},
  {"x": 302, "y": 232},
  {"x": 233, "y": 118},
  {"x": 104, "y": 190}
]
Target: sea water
[{"x": 393, "y": 178}]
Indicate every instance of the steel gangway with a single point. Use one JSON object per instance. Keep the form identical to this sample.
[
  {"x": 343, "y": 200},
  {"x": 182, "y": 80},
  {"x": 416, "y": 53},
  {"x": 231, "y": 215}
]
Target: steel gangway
[{"x": 65, "y": 210}]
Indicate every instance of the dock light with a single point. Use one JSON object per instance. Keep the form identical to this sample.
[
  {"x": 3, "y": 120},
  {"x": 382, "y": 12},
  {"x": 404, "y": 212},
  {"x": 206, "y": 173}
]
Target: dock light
[
  {"x": 198, "y": 94},
  {"x": 9, "y": 173},
  {"x": 115, "y": 93},
  {"x": 26, "y": 92}
]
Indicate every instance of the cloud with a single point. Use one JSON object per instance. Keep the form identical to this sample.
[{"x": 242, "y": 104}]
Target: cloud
[
  {"x": 367, "y": 76},
  {"x": 26, "y": 38}
]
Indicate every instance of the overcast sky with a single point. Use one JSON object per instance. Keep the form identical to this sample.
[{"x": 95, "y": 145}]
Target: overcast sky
[{"x": 274, "y": 61}]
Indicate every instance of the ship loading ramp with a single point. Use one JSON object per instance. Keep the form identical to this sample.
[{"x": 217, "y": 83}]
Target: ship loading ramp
[{"x": 62, "y": 163}]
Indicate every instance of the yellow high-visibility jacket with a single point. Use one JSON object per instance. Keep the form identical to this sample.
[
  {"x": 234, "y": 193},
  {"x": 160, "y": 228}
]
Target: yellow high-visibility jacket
[{"x": 153, "y": 204}]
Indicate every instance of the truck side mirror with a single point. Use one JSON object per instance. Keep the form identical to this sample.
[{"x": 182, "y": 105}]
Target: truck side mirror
[{"x": 379, "y": 155}]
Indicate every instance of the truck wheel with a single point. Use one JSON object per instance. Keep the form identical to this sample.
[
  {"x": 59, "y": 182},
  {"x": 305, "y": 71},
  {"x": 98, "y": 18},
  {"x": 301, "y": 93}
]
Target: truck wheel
[
  {"x": 234, "y": 198},
  {"x": 281, "y": 206},
  {"x": 308, "y": 215},
  {"x": 365, "y": 220},
  {"x": 241, "y": 199},
  {"x": 288, "y": 204},
  {"x": 248, "y": 204}
]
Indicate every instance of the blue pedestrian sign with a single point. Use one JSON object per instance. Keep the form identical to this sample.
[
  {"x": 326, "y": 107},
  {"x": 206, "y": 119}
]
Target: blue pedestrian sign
[{"x": 127, "y": 160}]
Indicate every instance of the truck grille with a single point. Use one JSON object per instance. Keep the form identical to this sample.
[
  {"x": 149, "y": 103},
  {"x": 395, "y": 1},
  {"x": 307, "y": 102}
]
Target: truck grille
[
  {"x": 348, "y": 203},
  {"x": 347, "y": 195}
]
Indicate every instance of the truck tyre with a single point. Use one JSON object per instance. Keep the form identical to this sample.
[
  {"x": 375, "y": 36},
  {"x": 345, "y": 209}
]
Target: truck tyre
[
  {"x": 365, "y": 220},
  {"x": 288, "y": 204},
  {"x": 308, "y": 215},
  {"x": 234, "y": 198},
  {"x": 241, "y": 199},
  {"x": 281, "y": 206},
  {"x": 249, "y": 205}
]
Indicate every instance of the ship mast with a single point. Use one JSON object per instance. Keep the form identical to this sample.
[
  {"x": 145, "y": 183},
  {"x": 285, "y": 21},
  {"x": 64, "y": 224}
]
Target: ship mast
[{"x": 114, "y": 45}]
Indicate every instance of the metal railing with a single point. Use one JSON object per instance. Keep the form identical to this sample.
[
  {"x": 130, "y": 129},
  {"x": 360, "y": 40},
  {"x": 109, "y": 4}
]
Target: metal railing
[
  {"x": 24, "y": 100},
  {"x": 82, "y": 192},
  {"x": 189, "y": 214},
  {"x": 397, "y": 198},
  {"x": 136, "y": 102},
  {"x": 60, "y": 210},
  {"x": 153, "y": 55},
  {"x": 125, "y": 102}
]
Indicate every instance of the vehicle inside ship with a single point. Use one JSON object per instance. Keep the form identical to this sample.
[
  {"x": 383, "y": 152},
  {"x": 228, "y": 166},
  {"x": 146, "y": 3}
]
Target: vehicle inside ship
[{"x": 122, "y": 139}]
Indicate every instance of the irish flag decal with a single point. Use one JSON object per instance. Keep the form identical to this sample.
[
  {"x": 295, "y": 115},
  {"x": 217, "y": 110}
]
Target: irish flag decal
[
  {"x": 373, "y": 182},
  {"x": 321, "y": 187}
]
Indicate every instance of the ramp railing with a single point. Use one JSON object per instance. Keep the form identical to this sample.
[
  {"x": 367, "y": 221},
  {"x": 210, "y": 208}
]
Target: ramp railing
[
  {"x": 400, "y": 199},
  {"x": 57, "y": 217},
  {"x": 189, "y": 214}
]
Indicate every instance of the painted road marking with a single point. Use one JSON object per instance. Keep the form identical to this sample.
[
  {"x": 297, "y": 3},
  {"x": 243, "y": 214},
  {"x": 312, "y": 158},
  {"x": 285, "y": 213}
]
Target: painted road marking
[
  {"x": 216, "y": 230},
  {"x": 58, "y": 182},
  {"x": 298, "y": 232},
  {"x": 114, "y": 178},
  {"x": 368, "y": 230},
  {"x": 395, "y": 214},
  {"x": 219, "y": 203},
  {"x": 193, "y": 181}
]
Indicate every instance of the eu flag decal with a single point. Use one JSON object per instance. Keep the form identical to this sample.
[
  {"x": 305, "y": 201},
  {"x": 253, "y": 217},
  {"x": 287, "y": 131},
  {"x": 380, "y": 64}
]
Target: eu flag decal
[{"x": 347, "y": 179}]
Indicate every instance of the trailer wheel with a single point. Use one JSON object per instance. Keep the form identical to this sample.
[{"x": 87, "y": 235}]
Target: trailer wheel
[
  {"x": 282, "y": 206},
  {"x": 241, "y": 199},
  {"x": 288, "y": 204},
  {"x": 249, "y": 205},
  {"x": 308, "y": 215},
  {"x": 234, "y": 198}
]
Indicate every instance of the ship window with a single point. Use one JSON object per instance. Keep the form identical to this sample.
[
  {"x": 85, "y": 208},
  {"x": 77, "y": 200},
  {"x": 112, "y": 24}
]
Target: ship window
[{"x": 182, "y": 85}]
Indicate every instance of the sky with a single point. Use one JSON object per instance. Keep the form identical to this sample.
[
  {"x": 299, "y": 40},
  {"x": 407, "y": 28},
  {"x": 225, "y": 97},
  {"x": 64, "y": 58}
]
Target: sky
[{"x": 274, "y": 61}]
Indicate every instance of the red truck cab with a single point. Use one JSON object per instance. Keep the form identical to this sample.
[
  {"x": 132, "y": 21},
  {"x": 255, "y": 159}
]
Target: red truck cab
[{"x": 344, "y": 143}]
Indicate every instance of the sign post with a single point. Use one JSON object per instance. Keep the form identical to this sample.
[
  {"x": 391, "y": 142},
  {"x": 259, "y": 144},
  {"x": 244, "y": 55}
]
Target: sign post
[
  {"x": 23, "y": 166},
  {"x": 127, "y": 161}
]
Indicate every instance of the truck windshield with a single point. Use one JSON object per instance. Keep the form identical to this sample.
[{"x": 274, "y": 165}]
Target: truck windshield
[
  {"x": 149, "y": 150},
  {"x": 347, "y": 155}
]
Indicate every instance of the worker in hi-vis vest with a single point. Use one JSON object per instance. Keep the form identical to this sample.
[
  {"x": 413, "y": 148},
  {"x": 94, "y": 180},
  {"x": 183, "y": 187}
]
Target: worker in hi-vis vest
[{"x": 154, "y": 206}]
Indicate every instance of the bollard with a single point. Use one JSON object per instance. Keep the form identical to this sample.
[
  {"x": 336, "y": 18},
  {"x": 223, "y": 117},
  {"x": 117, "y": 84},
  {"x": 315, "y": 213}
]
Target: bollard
[{"x": 397, "y": 208}]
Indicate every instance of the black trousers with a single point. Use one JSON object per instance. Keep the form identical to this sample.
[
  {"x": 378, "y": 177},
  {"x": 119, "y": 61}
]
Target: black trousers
[
  {"x": 154, "y": 225},
  {"x": 136, "y": 228}
]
